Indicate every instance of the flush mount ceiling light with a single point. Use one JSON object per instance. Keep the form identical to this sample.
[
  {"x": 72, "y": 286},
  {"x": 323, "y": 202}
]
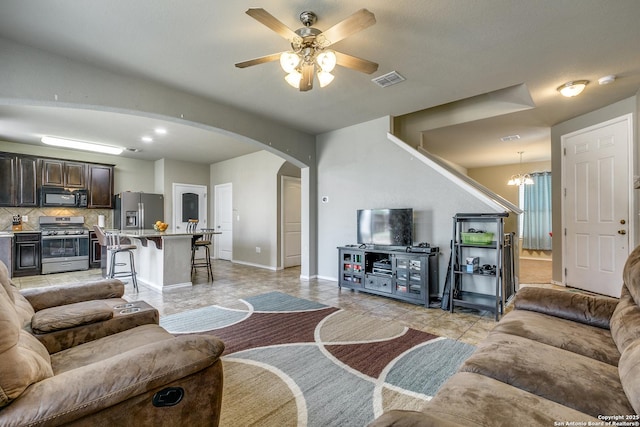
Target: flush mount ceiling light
[
  {"x": 573, "y": 88},
  {"x": 81, "y": 145},
  {"x": 520, "y": 179},
  {"x": 309, "y": 55}
]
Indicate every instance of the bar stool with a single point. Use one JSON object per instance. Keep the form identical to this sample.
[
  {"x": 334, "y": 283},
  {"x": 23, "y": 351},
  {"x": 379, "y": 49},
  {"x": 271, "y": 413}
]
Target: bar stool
[
  {"x": 114, "y": 247},
  {"x": 192, "y": 225},
  {"x": 204, "y": 242}
]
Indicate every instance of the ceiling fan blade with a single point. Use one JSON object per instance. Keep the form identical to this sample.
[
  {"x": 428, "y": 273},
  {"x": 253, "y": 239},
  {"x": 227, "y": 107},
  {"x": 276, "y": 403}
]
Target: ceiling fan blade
[
  {"x": 356, "y": 63},
  {"x": 306, "y": 83},
  {"x": 268, "y": 20},
  {"x": 356, "y": 22},
  {"x": 261, "y": 60}
]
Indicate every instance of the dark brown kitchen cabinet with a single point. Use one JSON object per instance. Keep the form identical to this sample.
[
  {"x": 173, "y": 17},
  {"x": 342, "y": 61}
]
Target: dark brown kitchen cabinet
[
  {"x": 18, "y": 180},
  {"x": 100, "y": 186},
  {"x": 62, "y": 173},
  {"x": 26, "y": 254}
]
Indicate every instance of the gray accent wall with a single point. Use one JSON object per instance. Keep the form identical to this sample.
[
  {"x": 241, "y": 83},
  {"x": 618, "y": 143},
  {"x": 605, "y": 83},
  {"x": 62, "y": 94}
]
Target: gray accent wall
[{"x": 360, "y": 168}]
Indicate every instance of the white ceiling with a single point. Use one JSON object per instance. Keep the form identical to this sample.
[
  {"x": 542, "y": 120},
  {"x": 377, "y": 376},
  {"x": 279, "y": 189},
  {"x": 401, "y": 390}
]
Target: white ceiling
[{"x": 448, "y": 50}]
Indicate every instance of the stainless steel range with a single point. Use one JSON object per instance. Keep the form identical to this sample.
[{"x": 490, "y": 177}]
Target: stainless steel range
[{"x": 64, "y": 244}]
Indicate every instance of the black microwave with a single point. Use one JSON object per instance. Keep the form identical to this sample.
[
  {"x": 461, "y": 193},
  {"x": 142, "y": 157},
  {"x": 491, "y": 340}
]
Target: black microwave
[{"x": 60, "y": 197}]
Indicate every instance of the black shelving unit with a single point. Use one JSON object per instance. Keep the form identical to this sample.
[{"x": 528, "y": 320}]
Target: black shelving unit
[{"x": 480, "y": 288}]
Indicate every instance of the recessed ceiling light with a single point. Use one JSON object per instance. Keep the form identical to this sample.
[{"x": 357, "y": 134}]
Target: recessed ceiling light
[
  {"x": 80, "y": 145},
  {"x": 147, "y": 139},
  {"x": 160, "y": 131}
]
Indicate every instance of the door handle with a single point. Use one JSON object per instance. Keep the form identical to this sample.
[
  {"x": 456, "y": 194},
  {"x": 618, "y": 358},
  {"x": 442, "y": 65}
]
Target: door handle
[{"x": 622, "y": 231}]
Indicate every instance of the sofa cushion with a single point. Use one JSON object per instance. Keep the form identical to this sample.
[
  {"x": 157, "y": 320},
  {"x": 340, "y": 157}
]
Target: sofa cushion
[
  {"x": 590, "y": 341},
  {"x": 575, "y": 306},
  {"x": 625, "y": 321},
  {"x": 69, "y": 316},
  {"x": 107, "y": 347},
  {"x": 555, "y": 374},
  {"x": 629, "y": 369},
  {"x": 476, "y": 400},
  {"x": 24, "y": 359},
  {"x": 22, "y": 306},
  {"x": 53, "y": 296},
  {"x": 631, "y": 274}
]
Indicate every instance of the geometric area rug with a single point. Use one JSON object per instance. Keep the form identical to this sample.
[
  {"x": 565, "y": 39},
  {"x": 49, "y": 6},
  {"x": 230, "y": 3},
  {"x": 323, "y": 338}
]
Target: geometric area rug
[{"x": 294, "y": 362}]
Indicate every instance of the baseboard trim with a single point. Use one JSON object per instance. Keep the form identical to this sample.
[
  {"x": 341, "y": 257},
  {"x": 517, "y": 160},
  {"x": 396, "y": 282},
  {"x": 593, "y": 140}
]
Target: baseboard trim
[
  {"x": 250, "y": 264},
  {"x": 535, "y": 259}
]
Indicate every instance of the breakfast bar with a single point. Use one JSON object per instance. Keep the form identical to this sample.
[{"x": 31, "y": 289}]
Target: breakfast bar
[{"x": 163, "y": 259}]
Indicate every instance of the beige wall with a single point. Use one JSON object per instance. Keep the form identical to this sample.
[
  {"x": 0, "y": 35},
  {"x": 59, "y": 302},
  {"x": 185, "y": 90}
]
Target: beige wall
[
  {"x": 495, "y": 178},
  {"x": 168, "y": 172},
  {"x": 255, "y": 205}
]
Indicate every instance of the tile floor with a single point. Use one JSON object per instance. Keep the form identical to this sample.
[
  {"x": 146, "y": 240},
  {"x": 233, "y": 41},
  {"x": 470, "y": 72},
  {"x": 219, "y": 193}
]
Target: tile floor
[{"x": 235, "y": 281}]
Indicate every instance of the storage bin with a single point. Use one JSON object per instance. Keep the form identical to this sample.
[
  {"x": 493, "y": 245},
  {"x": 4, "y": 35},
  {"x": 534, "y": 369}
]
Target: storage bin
[{"x": 477, "y": 238}]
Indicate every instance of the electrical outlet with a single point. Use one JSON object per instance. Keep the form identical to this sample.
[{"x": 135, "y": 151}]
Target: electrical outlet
[
  {"x": 25, "y": 218},
  {"x": 258, "y": 249}
]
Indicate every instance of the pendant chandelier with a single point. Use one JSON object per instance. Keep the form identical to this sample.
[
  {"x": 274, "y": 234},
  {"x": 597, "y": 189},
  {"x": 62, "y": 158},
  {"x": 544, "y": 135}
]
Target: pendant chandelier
[{"x": 520, "y": 179}]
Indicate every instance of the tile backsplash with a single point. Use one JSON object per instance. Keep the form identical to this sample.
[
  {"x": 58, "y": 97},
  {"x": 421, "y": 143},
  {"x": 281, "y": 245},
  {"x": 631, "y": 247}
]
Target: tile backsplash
[{"x": 90, "y": 216}]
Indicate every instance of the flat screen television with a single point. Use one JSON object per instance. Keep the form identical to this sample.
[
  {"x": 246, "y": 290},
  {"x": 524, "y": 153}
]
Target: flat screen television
[{"x": 385, "y": 227}]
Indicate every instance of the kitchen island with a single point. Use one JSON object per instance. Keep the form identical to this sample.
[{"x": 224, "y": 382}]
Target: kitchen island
[{"x": 163, "y": 259}]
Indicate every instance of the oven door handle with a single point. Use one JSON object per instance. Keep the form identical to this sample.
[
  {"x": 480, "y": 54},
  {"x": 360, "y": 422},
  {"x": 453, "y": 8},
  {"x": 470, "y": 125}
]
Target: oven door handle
[{"x": 66, "y": 236}]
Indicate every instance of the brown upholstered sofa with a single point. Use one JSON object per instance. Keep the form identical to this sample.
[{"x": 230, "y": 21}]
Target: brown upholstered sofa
[
  {"x": 141, "y": 376},
  {"x": 65, "y": 316},
  {"x": 558, "y": 358}
]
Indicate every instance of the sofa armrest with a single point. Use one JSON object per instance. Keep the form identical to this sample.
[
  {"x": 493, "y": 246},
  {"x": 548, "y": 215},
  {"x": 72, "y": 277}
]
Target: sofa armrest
[
  {"x": 588, "y": 309},
  {"x": 53, "y": 296},
  {"x": 79, "y": 392}
]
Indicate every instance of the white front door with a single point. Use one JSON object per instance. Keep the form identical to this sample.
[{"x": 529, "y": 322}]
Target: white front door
[
  {"x": 189, "y": 202},
  {"x": 291, "y": 221},
  {"x": 224, "y": 221},
  {"x": 596, "y": 203}
]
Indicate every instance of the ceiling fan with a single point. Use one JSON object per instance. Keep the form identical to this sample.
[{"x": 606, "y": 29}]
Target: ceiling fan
[{"x": 309, "y": 47}]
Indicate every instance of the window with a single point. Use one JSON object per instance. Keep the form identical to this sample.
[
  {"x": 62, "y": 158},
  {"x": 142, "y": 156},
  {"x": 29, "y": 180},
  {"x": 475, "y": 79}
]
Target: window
[{"x": 535, "y": 225}]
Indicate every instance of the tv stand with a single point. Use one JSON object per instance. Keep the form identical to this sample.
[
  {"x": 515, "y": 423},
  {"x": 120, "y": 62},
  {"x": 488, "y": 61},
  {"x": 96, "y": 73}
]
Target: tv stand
[{"x": 391, "y": 272}]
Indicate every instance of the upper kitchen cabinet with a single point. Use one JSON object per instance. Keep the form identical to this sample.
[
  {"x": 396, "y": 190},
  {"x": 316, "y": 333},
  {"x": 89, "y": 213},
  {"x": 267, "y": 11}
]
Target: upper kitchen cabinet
[
  {"x": 100, "y": 186},
  {"x": 18, "y": 180},
  {"x": 62, "y": 173}
]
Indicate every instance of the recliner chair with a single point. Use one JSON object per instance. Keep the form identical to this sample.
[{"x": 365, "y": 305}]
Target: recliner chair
[
  {"x": 143, "y": 376},
  {"x": 65, "y": 316}
]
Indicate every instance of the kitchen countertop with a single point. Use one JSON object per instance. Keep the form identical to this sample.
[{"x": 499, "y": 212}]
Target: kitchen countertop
[
  {"x": 12, "y": 232},
  {"x": 154, "y": 233}
]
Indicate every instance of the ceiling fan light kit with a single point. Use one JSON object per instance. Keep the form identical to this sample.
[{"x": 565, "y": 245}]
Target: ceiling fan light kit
[{"x": 309, "y": 55}]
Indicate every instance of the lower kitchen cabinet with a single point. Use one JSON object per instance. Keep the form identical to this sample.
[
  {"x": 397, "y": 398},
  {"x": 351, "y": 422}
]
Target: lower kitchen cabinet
[{"x": 26, "y": 259}]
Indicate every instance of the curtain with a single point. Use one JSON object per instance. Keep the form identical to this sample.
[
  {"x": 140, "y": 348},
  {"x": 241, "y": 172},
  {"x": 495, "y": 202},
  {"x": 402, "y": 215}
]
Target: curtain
[{"x": 537, "y": 213}]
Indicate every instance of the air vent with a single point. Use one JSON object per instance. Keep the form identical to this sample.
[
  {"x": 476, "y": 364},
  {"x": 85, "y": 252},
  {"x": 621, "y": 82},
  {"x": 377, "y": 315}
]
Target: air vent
[
  {"x": 510, "y": 138},
  {"x": 133, "y": 150},
  {"x": 388, "y": 79}
]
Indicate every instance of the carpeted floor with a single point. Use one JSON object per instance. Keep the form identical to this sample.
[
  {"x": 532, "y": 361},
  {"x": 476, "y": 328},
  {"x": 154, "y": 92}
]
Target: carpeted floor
[
  {"x": 535, "y": 271},
  {"x": 294, "y": 362}
]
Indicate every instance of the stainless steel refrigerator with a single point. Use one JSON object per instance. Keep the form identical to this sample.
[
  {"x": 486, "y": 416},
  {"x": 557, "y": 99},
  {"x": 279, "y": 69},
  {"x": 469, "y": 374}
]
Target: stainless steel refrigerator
[{"x": 135, "y": 211}]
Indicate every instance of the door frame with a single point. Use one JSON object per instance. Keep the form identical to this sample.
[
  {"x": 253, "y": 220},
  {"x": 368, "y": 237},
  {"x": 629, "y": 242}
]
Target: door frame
[
  {"x": 628, "y": 118},
  {"x": 176, "y": 202}
]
